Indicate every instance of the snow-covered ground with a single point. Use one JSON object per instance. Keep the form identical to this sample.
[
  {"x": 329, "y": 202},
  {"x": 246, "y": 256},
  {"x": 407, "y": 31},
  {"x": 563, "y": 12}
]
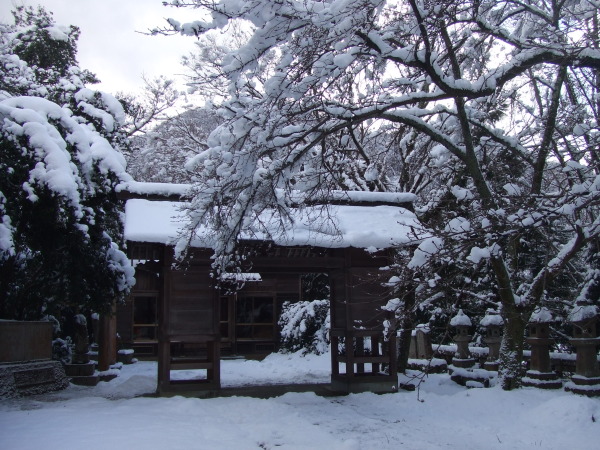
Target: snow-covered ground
[{"x": 112, "y": 415}]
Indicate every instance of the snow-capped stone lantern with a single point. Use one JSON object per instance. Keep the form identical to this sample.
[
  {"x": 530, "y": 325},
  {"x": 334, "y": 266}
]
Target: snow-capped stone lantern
[
  {"x": 463, "y": 370},
  {"x": 493, "y": 323},
  {"x": 462, "y": 323},
  {"x": 586, "y": 379},
  {"x": 540, "y": 373}
]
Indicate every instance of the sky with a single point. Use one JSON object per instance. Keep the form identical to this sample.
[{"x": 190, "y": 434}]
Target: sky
[{"x": 111, "y": 44}]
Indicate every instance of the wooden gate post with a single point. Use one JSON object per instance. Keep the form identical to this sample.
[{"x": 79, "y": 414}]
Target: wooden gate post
[{"x": 107, "y": 341}]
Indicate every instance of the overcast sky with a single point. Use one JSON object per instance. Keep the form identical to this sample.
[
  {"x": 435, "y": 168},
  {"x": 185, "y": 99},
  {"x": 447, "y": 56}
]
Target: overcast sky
[{"x": 110, "y": 44}]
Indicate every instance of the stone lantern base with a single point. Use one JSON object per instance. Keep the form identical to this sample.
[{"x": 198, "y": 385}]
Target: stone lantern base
[
  {"x": 463, "y": 363},
  {"x": 584, "y": 386},
  {"x": 542, "y": 380},
  {"x": 471, "y": 377},
  {"x": 492, "y": 366},
  {"x": 82, "y": 374}
]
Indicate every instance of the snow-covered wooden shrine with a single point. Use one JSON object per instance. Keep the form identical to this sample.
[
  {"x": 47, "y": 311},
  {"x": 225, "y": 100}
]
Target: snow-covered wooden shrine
[{"x": 177, "y": 312}]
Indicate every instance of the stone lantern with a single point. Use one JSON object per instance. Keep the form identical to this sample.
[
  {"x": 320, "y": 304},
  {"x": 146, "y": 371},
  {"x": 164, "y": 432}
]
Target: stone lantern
[
  {"x": 493, "y": 323},
  {"x": 586, "y": 380},
  {"x": 420, "y": 343},
  {"x": 540, "y": 373},
  {"x": 463, "y": 370},
  {"x": 462, "y": 323}
]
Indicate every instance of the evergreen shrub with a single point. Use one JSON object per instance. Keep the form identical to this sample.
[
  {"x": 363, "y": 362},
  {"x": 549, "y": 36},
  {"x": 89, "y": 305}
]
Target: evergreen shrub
[{"x": 305, "y": 327}]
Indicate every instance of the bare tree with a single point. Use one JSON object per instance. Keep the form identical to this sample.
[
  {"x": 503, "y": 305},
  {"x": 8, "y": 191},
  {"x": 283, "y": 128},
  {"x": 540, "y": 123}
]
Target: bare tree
[{"x": 490, "y": 86}]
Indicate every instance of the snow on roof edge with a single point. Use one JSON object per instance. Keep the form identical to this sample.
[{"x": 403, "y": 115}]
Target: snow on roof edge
[
  {"x": 357, "y": 226},
  {"x": 144, "y": 188}
]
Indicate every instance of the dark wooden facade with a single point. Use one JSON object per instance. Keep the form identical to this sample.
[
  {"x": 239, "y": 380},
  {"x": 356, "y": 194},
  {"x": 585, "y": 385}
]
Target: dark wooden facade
[{"x": 195, "y": 322}]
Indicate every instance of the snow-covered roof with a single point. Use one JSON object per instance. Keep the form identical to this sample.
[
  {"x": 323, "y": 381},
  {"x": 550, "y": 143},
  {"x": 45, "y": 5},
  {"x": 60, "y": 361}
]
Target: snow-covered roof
[
  {"x": 370, "y": 227},
  {"x": 373, "y": 197},
  {"x": 147, "y": 189}
]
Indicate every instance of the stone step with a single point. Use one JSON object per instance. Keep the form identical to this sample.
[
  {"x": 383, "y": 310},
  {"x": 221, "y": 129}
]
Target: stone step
[
  {"x": 80, "y": 370},
  {"x": 85, "y": 380}
]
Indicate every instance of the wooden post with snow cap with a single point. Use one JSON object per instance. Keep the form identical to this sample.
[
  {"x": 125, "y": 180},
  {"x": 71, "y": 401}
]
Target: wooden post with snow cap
[
  {"x": 586, "y": 379},
  {"x": 492, "y": 322},
  {"x": 540, "y": 373}
]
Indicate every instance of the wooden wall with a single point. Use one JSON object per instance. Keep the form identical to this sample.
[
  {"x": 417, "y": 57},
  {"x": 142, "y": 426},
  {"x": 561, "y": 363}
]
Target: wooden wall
[{"x": 192, "y": 302}]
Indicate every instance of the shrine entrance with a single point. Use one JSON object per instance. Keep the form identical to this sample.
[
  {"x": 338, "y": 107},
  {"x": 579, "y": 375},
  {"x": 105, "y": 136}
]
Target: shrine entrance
[{"x": 198, "y": 323}]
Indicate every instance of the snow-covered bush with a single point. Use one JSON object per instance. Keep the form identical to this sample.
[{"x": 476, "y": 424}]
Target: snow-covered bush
[
  {"x": 305, "y": 326},
  {"x": 61, "y": 229},
  {"x": 62, "y": 350}
]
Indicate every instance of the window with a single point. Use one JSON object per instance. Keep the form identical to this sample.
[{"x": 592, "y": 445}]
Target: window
[
  {"x": 145, "y": 319},
  {"x": 255, "y": 318},
  {"x": 224, "y": 319}
]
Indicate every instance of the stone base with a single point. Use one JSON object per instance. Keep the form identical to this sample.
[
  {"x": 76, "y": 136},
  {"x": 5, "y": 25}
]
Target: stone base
[
  {"x": 470, "y": 377},
  {"x": 80, "y": 370},
  {"x": 107, "y": 376},
  {"x": 126, "y": 356},
  {"x": 91, "y": 380},
  {"x": 33, "y": 377},
  {"x": 584, "y": 386},
  {"x": 542, "y": 380},
  {"x": 492, "y": 366},
  {"x": 82, "y": 374},
  {"x": 463, "y": 363},
  {"x": 433, "y": 365}
]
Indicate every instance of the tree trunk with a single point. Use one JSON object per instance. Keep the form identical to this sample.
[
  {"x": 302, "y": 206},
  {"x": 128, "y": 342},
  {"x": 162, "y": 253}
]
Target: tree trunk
[{"x": 511, "y": 351}]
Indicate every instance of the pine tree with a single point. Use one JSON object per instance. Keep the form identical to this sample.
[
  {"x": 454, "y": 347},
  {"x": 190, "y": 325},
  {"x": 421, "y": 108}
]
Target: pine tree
[{"x": 61, "y": 234}]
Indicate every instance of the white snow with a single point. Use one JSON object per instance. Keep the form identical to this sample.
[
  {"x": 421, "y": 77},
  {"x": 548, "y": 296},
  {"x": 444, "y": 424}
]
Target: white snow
[
  {"x": 353, "y": 226},
  {"x": 440, "y": 415},
  {"x": 541, "y": 315},
  {"x": 367, "y": 196},
  {"x": 424, "y": 251},
  {"x": 512, "y": 189},
  {"x": 6, "y": 230},
  {"x": 343, "y": 60},
  {"x": 460, "y": 319},
  {"x": 580, "y": 313},
  {"x": 491, "y": 318},
  {"x": 241, "y": 277},
  {"x": 58, "y": 33},
  {"x": 30, "y": 117},
  {"x": 477, "y": 254},
  {"x": 126, "y": 351},
  {"x": 461, "y": 193},
  {"x": 458, "y": 226}
]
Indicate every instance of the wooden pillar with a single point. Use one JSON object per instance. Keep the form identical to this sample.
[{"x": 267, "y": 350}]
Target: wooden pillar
[
  {"x": 164, "y": 342},
  {"x": 164, "y": 366},
  {"x": 107, "y": 345}
]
